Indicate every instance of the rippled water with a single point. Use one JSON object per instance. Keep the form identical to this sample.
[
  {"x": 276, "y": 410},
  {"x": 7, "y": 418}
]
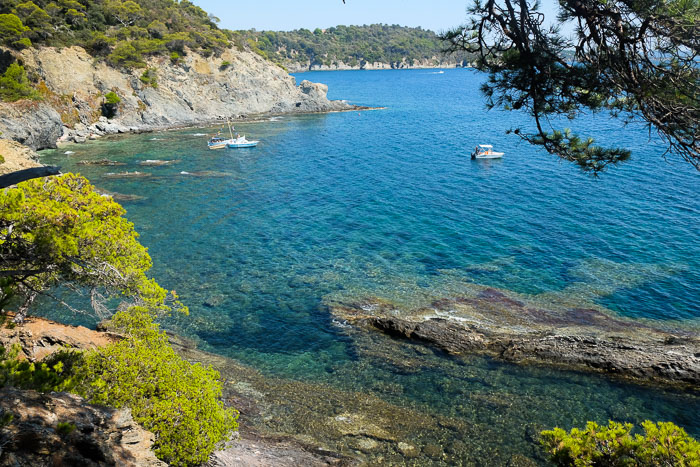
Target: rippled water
[{"x": 387, "y": 202}]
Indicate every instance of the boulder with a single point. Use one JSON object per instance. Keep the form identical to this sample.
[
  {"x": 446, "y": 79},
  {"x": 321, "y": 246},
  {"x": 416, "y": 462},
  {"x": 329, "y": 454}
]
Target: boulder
[{"x": 63, "y": 429}]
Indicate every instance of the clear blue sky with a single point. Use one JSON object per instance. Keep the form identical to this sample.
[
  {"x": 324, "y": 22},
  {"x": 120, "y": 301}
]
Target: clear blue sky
[{"x": 284, "y": 15}]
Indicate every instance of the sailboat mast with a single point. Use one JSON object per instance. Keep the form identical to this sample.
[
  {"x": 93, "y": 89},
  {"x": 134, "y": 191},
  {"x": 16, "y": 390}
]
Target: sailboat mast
[{"x": 230, "y": 132}]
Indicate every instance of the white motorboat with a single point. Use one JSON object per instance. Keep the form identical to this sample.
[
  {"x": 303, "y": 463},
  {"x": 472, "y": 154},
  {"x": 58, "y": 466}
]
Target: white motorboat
[{"x": 485, "y": 151}]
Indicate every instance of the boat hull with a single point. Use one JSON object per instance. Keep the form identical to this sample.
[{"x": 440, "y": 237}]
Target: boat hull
[
  {"x": 249, "y": 144},
  {"x": 493, "y": 155}
]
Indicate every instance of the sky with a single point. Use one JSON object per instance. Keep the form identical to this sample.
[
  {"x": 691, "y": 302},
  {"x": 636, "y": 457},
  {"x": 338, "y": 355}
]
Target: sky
[{"x": 285, "y": 15}]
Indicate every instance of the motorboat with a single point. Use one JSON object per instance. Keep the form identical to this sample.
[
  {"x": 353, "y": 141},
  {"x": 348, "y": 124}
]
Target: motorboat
[
  {"x": 241, "y": 142},
  {"x": 217, "y": 142},
  {"x": 485, "y": 151}
]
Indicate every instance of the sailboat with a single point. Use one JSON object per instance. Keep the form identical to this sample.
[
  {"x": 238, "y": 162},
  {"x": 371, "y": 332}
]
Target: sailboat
[{"x": 219, "y": 142}]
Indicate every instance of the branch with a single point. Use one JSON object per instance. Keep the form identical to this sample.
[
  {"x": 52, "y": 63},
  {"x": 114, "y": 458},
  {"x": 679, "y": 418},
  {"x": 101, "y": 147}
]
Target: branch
[{"x": 14, "y": 178}]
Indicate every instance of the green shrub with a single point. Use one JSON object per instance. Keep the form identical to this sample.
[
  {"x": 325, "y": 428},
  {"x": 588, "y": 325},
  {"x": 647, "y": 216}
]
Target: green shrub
[
  {"x": 124, "y": 54},
  {"x": 112, "y": 98},
  {"x": 2, "y": 159},
  {"x": 65, "y": 428},
  {"x": 174, "y": 57},
  {"x": 14, "y": 84},
  {"x": 52, "y": 374},
  {"x": 614, "y": 445},
  {"x": 12, "y": 30},
  {"x": 150, "y": 78},
  {"x": 225, "y": 64},
  {"x": 176, "y": 400}
]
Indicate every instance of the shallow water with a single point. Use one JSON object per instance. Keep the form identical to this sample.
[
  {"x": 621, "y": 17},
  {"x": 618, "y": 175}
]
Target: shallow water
[{"x": 388, "y": 203}]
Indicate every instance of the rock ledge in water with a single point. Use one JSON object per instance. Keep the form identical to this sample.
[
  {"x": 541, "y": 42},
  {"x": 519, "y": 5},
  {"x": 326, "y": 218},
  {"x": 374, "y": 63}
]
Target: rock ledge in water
[{"x": 504, "y": 326}]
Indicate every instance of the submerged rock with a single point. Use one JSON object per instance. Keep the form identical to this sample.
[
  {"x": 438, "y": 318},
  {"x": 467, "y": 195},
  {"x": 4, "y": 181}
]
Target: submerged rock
[
  {"x": 104, "y": 162},
  {"x": 135, "y": 174},
  {"x": 509, "y": 327}
]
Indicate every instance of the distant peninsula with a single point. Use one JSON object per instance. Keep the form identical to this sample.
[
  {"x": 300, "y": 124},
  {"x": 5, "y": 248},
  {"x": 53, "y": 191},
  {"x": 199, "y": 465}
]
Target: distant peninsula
[{"x": 375, "y": 46}]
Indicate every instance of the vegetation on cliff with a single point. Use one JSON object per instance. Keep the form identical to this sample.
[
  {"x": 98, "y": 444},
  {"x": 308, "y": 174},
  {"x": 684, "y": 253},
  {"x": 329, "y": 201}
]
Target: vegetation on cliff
[
  {"x": 59, "y": 232},
  {"x": 122, "y": 31},
  {"x": 352, "y": 45},
  {"x": 662, "y": 444}
]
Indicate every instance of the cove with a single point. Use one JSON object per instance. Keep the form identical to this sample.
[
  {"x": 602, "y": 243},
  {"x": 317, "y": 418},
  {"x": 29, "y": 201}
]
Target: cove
[{"x": 387, "y": 203}]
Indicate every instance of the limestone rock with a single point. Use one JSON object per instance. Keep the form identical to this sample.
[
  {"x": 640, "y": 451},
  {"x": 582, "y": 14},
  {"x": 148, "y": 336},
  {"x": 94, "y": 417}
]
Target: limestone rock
[
  {"x": 88, "y": 435},
  {"x": 15, "y": 157},
  {"x": 196, "y": 90},
  {"x": 39, "y": 338},
  {"x": 35, "y": 125}
]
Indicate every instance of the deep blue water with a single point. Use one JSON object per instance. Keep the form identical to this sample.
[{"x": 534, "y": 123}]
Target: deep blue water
[{"x": 388, "y": 203}]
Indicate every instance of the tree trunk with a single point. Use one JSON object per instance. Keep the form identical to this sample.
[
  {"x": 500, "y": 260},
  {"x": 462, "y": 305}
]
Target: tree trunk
[{"x": 14, "y": 178}]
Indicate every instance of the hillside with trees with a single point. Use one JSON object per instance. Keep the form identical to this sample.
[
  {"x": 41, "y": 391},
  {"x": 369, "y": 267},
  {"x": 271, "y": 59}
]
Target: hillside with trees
[
  {"x": 353, "y": 46},
  {"x": 122, "y": 31}
]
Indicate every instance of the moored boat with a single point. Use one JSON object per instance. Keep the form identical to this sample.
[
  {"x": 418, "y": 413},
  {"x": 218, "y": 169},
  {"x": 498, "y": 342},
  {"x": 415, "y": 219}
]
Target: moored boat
[
  {"x": 241, "y": 142},
  {"x": 485, "y": 151},
  {"x": 217, "y": 142}
]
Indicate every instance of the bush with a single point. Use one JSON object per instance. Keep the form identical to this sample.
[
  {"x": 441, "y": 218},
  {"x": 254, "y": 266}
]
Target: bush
[
  {"x": 174, "y": 57},
  {"x": 2, "y": 159},
  {"x": 665, "y": 444},
  {"x": 124, "y": 54},
  {"x": 150, "y": 78},
  {"x": 11, "y": 31},
  {"x": 176, "y": 400},
  {"x": 225, "y": 64},
  {"x": 14, "y": 84},
  {"x": 112, "y": 98},
  {"x": 52, "y": 374}
]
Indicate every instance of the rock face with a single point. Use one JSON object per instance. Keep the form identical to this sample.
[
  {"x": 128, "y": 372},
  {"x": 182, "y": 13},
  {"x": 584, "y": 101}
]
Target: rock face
[
  {"x": 62, "y": 429},
  {"x": 15, "y": 157},
  {"x": 40, "y": 337},
  {"x": 194, "y": 90},
  {"x": 508, "y": 327},
  {"x": 36, "y": 125}
]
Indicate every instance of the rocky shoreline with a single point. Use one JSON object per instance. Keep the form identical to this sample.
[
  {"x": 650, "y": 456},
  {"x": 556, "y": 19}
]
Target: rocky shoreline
[
  {"x": 195, "y": 90},
  {"x": 506, "y": 326}
]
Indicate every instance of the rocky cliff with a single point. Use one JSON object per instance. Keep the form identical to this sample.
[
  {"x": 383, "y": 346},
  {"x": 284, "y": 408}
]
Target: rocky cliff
[
  {"x": 193, "y": 90},
  {"x": 62, "y": 429}
]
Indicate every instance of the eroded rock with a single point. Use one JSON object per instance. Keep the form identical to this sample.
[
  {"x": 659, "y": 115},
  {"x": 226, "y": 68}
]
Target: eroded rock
[{"x": 62, "y": 429}]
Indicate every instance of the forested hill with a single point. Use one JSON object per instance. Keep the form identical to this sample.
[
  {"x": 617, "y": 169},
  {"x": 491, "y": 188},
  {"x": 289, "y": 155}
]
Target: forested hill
[
  {"x": 124, "y": 32},
  {"x": 352, "y": 46}
]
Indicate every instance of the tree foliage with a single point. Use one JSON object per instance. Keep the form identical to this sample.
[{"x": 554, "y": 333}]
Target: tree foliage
[
  {"x": 58, "y": 230},
  {"x": 176, "y": 400},
  {"x": 14, "y": 84},
  {"x": 126, "y": 31},
  {"x": 352, "y": 45},
  {"x": 52, "y": 374},
  {"x": 664, "y": 444},
  {"x": 637, "y": 59}
]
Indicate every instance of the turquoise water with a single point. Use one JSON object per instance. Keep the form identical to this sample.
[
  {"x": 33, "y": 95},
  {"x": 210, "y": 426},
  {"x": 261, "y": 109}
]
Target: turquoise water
[{"x": 387, "y": 202}]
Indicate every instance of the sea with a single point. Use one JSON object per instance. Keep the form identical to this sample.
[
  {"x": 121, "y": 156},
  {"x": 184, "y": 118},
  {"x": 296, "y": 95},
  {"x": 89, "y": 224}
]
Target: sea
[{"x": 388, "y": 203}]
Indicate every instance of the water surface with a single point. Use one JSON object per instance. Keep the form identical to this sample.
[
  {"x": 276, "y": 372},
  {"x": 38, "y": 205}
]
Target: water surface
[{"x": 388, "y": 203}]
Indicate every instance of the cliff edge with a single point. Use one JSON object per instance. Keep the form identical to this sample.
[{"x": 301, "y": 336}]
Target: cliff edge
[{"x": 192, "y": 90}]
